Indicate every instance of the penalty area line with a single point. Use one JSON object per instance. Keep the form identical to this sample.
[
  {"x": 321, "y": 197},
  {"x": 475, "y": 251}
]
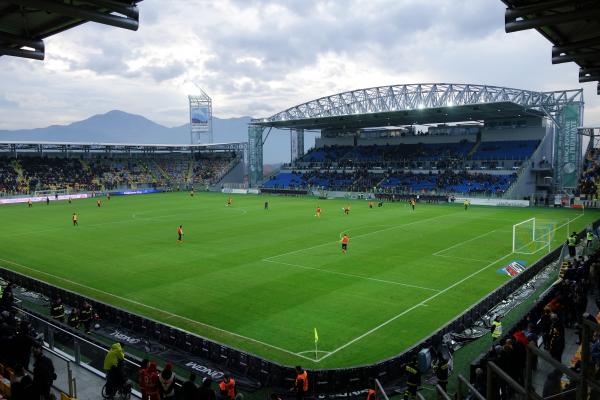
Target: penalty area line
[
  {"x": 167, "y": 313},
  {"x": 422, "y": 303}
]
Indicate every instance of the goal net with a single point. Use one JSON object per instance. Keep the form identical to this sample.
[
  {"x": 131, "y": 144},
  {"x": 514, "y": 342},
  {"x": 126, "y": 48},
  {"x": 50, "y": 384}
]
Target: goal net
[{"x": 532, "y": 235}]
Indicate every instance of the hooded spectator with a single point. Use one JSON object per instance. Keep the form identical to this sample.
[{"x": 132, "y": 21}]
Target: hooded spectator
[{"x": 167, "y": 382}]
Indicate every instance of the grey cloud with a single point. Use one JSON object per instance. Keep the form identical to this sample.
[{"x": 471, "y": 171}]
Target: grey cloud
[
  {"x": 375, "y": 42},
  {"x": 6, "y": 103},
  {"x": 165, "y": 72}
]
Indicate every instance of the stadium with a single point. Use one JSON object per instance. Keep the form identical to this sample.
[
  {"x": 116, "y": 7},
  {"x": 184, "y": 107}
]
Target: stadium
[{"x": 428, "y": 221}]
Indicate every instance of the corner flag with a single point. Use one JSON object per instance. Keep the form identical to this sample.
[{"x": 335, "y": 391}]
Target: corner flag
[{"x": 316, "y": 336}]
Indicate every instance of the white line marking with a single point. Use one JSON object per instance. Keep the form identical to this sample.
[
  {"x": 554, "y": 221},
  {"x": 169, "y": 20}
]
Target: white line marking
[
  {"x": 170, "y": 314},
  {"x": 460, "y": 258},
  {"x": 359, "y": 236},
  {"x": 350, "y": 275},
  {"x": 422, "y": 303},
  {"x": 463, "y": 242},
  {"x": 313, "y": 352}
]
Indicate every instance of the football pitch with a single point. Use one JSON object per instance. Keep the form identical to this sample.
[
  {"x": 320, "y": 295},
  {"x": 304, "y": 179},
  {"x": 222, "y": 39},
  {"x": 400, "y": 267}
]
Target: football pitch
[{"x": 263, "y": 280}]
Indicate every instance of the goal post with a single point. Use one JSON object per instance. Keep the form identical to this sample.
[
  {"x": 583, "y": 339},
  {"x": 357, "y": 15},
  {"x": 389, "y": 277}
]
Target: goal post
[
  {"x": 533, "y": 235},
  {"x": 522, "y": 232}
]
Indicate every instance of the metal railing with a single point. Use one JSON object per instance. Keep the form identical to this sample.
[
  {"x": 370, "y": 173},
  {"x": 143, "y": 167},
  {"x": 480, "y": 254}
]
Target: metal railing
[
  {"x": 465, "y": 389},
  {"x": 73, "y": 349},
  {"x": 582, "y": 381},
  {"x": 71, "y": 383}
]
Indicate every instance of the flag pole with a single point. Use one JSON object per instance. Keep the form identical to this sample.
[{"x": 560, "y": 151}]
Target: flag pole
[{"x": 316, "y": 345}]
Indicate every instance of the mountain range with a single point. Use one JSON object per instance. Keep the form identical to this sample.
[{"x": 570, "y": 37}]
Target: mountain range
[{"x": 121, "y": 127}]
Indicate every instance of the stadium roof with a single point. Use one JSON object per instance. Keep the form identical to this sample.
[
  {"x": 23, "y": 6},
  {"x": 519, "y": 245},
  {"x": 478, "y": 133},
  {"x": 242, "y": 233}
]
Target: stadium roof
[
  {"x": 573, "y": 27},
  {"x": 24, "y": 23},
  {"x": 419, "y": 104}
]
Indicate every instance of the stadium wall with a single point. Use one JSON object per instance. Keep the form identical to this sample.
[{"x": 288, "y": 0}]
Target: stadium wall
[
  {"x": 511, "y": 134},
  {"x": 249, "y": 367},
  {"x": 349, "y": 140}
]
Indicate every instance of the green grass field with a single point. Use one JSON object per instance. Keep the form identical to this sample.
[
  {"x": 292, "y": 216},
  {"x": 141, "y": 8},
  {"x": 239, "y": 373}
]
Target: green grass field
[{"x": 262, "y": 281}]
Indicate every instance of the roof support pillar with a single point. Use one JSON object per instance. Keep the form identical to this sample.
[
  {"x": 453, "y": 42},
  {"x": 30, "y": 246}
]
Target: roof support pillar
[{"x": 296, "y": 144}]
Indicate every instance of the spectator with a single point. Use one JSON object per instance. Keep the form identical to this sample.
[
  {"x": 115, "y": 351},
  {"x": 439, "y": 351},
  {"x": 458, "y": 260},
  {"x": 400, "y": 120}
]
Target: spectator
[
  {"x": 85, "y": 316},
  {"x": 544, "y": 326},
  {"x": 21, "y": 384},
  {"x": 73, "y": 318},
  {"x": 441, "y": 371},
  {"x": 167, "y": 382},
  {"x": 227, "y": 388},
  {"x": 113, "y": 367},
  {"x": 557, "y": 339},
  {"x": 413, "y": 380},
  {"x": 153, "y": 383},
  {"x": 43, "y": 373},
  {"x": 143, "y": 378},
  {"x": 22, "y": 345},
  {"x": 552, "y": 384},
  {"x": 57, "y": 310},
  {"x": 6, "y": 302},
  {"x": 189, "y": 389},
  {"x": 205, "y": 391}
]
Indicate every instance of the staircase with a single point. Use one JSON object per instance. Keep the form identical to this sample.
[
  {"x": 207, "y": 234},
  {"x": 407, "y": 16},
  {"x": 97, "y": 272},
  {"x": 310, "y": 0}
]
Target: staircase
[
  {"x": 164, "y": 173},
  {"x": 189, "y": 176},
  {"x": 525, "y": 184},
  {"x": 474, "y": 148},
  {"x": 234, "y": 173},
  {"x": 21, "y": 178}
]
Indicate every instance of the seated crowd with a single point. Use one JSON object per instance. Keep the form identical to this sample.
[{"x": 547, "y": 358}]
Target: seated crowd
[
  {"x": 589, "y": 182},
  {"x": 27, "y": 381},
  {"x": 446, "y": 167},
  {"x": 361, "y": 180},
  {"x": 27, "y": 174},
  {"x": 368, "y": 154}
]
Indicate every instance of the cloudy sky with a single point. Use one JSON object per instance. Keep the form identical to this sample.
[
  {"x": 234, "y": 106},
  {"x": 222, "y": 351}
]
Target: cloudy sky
[{"x": 258, "y": 57}]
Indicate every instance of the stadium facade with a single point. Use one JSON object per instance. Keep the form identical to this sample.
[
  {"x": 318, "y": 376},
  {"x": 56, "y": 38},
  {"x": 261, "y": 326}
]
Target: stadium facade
[{"x": 482, "y": 115}]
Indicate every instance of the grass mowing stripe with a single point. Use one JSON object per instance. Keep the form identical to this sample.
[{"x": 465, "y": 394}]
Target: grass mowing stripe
[
  {"x": 460, "y": 258},
  {"x": 361, "y": 235},
  {"x": 437, "y": 253},
  {"x": 351, "y": 275},
  {"x": 169, "y": 314}
]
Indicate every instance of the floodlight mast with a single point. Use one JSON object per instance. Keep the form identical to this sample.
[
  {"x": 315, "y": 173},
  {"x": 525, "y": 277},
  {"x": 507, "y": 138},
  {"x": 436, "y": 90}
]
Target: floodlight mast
[{"x": 200, "y": 117}]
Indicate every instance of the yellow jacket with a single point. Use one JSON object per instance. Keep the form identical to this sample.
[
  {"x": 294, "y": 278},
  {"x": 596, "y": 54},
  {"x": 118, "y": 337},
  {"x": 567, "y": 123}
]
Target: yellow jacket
[{"x": 113, "y": 356}]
